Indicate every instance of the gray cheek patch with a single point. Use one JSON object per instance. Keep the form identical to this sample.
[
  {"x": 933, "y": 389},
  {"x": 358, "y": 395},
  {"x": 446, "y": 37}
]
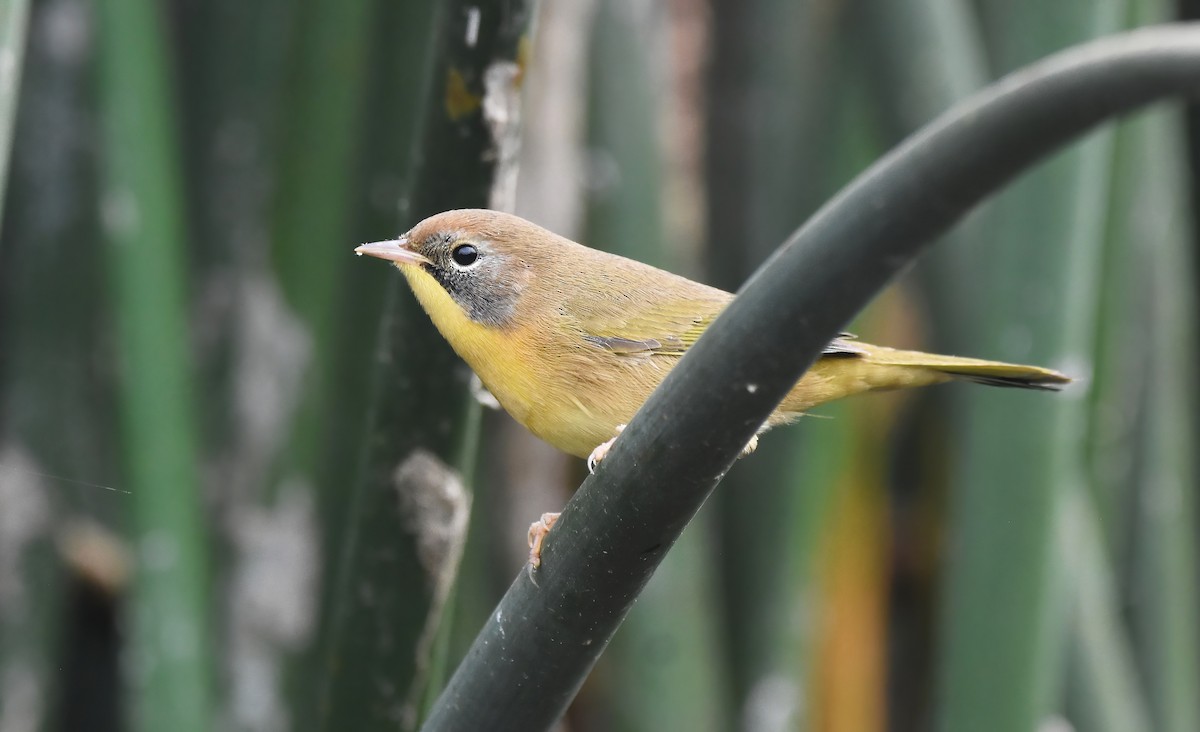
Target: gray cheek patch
[{"x": 485, "y": 296}]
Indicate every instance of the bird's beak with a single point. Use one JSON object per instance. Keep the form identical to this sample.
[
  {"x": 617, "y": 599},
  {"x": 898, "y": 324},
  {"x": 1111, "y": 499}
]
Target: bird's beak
[{"x": 396, "y": 250}]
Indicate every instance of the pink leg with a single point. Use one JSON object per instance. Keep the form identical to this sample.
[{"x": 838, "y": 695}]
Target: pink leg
[{"x": 537, "y": 534}]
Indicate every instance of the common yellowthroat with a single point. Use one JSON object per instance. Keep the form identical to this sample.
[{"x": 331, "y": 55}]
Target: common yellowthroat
[{"x": 571, "y": 340}]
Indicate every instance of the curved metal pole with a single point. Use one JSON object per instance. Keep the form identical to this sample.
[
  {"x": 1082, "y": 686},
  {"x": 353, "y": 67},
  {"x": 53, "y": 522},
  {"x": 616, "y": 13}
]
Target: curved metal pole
[{"x": 540, "y": 643}]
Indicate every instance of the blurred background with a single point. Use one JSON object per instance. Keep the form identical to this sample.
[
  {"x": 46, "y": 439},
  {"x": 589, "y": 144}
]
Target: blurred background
[{"x": 245, "y": 486}]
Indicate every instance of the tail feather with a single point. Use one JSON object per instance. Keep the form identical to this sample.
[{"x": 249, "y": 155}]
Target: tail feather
[
  {"x": 877, "y": 368},
  {"x": 1037, "y": 381},
  {"x": 991, "y": 373}
]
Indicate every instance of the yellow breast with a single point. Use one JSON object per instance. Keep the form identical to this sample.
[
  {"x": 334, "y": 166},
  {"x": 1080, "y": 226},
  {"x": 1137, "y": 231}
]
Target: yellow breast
[
  {"x": 487, "y": 350},
  {"x": 545, "y": 385}
]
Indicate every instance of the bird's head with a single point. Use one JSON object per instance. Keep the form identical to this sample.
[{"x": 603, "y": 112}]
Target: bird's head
[{"x": 477, "y": 260}]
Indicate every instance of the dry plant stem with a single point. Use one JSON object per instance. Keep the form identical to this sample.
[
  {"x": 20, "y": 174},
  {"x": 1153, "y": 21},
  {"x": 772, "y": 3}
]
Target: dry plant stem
[
  {"x": 13, "y": 21},
  {"x": 418, "y": 392}
]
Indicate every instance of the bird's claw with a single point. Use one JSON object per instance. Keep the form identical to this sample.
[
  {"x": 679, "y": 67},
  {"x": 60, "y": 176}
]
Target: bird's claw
[
  {"x": 537, "y": 534},
  {"x": 602, "y": 449},
  {"x": 751, "y": 446}
]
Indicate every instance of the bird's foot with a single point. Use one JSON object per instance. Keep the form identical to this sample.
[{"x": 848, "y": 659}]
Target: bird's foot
[
  {"x": 537, "y": 534},
  {"x": 602, "y": 449},
  {"x": 750, "y": 447}
]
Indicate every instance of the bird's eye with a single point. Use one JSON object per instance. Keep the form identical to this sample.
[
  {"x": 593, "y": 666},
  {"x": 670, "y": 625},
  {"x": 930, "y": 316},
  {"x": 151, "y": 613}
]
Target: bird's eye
[{"x": 464, "y": 255}]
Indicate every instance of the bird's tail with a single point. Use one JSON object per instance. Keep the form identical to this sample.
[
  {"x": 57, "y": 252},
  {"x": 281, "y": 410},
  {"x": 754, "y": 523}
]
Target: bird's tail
[
  {"x": 864, "y": 367},
  {"x": 992, "y": 373}
]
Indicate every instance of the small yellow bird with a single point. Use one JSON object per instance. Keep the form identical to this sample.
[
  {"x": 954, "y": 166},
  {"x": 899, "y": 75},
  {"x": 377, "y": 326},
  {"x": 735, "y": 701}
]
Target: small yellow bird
[{"x": 571, "y": 340}]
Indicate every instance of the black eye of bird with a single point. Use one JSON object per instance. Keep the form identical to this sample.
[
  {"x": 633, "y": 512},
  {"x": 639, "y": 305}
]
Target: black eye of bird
[{"x": 464, "y": 255}]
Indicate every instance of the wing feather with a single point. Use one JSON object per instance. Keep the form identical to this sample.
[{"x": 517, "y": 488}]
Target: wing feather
[{"x": 636, "y": 317}]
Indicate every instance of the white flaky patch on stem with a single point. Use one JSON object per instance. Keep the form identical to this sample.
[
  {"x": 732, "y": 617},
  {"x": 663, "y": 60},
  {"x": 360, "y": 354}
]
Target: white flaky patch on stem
[
  {"x": 502, "y": 112},
  {"x": 272, "y": 603},
  {"x": 435, "y": 508}
]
